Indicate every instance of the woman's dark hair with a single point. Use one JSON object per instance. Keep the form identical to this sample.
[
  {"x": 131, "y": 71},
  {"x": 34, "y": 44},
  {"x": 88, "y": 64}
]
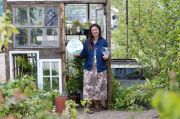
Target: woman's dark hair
[{"x": 91, "y": 36}]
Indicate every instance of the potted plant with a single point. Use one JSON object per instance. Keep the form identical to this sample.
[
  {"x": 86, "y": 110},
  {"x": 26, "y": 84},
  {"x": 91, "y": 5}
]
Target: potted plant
[
  {"x": 76, "y": 26},
  {"x": 85, "y": 28},
  {"x": 59, "y": 100},
  {"x": 72, "y": 87}
]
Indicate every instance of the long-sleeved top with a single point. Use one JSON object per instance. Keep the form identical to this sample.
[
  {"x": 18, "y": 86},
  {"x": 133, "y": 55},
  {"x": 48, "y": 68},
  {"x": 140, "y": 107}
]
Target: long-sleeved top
[{"x": 88, "y": 54}]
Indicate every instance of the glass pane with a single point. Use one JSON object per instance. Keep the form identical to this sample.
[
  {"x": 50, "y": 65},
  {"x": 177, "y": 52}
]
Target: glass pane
[
  {"x": 46, "y": 69},
  {"x": 36, "y": 36},
  {"x": 46, "y": 84},
  {"x": 76, "y": 12},
  {"x": 100, "y": 18},
  {"x": 52, "y": 37},
  {"x": 21, "y": 17},
  {"x": 21, "y": 39},
  {"x": 93, "y": 11},
  {"x": 55, "y": 83},
  {"x": 36, "y": 16},
  {"x": 55, "y": 68},
  {"x": 51, "y": 16}
]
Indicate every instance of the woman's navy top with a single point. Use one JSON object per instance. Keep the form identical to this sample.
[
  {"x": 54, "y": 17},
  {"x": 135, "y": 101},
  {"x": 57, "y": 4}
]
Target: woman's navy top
[{"x": 88, "y": 54}]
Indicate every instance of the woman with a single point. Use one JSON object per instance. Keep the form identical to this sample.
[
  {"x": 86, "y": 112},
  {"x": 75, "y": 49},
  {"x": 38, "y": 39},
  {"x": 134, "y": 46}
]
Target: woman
[{"x": 95, "y": 77}]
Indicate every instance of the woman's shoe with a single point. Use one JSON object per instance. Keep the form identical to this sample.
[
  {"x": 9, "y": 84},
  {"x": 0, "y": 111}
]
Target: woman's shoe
[{"x": 97, "y": 106}]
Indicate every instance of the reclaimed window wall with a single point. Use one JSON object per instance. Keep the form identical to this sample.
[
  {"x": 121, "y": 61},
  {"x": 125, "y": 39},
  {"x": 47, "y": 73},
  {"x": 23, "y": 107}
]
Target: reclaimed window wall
[
  {"x": 38, "y": 26},
  {"x": 79, "y": 17}
]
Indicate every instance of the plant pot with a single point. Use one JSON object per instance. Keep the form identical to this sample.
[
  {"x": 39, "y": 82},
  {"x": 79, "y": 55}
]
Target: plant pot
[{"x": 60, "y": 103}]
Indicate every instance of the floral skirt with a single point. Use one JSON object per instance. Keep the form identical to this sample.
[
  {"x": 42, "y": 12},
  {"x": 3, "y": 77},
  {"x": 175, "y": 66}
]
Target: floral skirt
[{"x": 95, "y": 84}]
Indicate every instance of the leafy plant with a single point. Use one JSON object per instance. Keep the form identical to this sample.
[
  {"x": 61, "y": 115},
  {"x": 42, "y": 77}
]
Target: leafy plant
[
  {"x": 134, "y": 97},
  {"x": 86, "y": 25},
  {"x": 72, "y": 86},
  {"x": 84, "y": 103},
  {"x": 167, "y": 103},
  {"x": 74, "y": 76},
  {"x": 6, "y": 29},
  {"x": 23, "y": 100},
  {"x": 76, "y": 26},
  {"x": 70, "y": 110}
]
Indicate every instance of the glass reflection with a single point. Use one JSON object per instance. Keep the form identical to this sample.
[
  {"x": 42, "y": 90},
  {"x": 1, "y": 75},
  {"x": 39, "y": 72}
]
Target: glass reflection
[
  {"x": 46, "y": 84},
  {"x": 55, "y": 68},
  {"x": 51, "y": 16},
  {"x": 22, "y": 38},
  {"x": 36, "y": 36},
  {"x": 21, "y": 17},
  {"x": 46, "y": 69},
  {"x": 36, "y": 16},
  {"x": 55, "y": 83},
  {"x": 52, "y": 37}
]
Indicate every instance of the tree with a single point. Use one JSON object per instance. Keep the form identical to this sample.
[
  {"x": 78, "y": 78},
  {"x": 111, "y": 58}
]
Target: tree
[
  {"x": 153, "y": 35},
  {"x": 6, "y": 30}
]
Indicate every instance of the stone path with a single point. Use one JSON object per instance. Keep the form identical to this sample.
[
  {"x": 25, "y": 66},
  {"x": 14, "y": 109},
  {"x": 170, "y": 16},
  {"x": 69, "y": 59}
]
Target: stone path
[{"x": 147, "y": 114}]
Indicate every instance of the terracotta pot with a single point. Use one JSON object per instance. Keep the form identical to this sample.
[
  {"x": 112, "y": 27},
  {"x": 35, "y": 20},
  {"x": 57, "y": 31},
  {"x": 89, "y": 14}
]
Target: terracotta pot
[{"x": 60, "y": 103}]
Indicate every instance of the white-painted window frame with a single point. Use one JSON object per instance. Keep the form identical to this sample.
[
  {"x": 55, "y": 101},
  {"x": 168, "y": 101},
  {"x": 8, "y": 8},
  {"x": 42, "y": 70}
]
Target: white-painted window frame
[
  {"x": 40, "y": 83},
  {"x": 21, "y": 52}
]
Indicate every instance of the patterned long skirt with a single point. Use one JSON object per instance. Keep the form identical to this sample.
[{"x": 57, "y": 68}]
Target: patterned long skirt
[{"x": 95, "y": 84}]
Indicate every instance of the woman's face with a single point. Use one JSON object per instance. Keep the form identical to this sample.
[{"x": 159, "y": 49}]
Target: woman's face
[{"x": 95, "y": 31}]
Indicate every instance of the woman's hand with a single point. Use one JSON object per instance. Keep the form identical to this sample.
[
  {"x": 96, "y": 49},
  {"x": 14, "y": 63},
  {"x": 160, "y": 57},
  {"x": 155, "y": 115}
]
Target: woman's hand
[{"x": 105, "y": 57}]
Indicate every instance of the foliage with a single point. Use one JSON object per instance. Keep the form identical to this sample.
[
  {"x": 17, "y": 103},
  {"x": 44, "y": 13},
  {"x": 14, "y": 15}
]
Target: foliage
[
  {"x": 23, "y": 100},
  {"x": 72, "y": 86},
  {"x": 153, "y": 35},
  {"x": 84, "y": 103},
  {"x": 86, "y": 25},
  {"x": 134, "y": 97},
  {"x": 25, "y": 67},
  {"x": 55, "y": 84},
  {"x": 47, "y": 115},
  {"x": 74, "y": 76},
  {"x": 70, "y": 110},
  {"x": 154, "y": 40},
  {"x": 6, "y": 29},
  {"x": 167, "y": 102}
]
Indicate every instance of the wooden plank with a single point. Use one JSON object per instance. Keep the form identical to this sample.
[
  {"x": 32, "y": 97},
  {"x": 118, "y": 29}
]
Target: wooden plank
[
  {"x": 108, "y": 33},
  {"x": 55, "y": 1},
  {"x": 4, "y": 5}
]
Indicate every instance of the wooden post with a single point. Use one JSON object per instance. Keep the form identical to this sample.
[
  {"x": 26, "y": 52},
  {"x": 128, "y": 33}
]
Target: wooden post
[
  {"x": 4, "y": 2},
  {"x": 127, "y": 39},
  {"x": 62, "y": 44},
  {"x": 108, "y": 32}
]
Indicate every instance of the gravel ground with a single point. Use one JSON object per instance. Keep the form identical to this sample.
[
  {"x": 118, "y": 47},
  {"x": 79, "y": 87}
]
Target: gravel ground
[{"x": 108, "y": 114}]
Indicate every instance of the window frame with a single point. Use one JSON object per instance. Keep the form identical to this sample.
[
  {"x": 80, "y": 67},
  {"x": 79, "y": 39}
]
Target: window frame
[
  {"x": 21, "y": 52},
  {"x": 40, "y": 82},
  {"x": 30, "y": 27}
]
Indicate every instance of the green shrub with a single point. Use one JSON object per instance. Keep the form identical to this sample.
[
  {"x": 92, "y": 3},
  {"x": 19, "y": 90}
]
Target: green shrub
[
  {"x": 134, "y": 97},
  {"x": 23, "y": 100},
  {"x": 167, "y": 103}
]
